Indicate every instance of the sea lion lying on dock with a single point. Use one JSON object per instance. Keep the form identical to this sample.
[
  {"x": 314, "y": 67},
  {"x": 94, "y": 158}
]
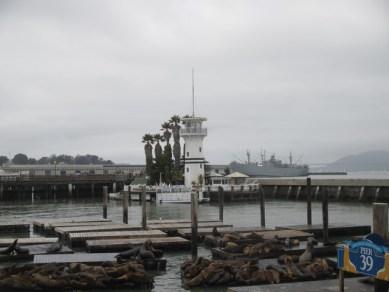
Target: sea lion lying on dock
[
  {"x": 74, "y": 276},
  {"x": 55, "y": 247},
  {"x": 203, "y": 272},
  {"x": 144, "y": 252},
  {"x": 10, "y": 249}
]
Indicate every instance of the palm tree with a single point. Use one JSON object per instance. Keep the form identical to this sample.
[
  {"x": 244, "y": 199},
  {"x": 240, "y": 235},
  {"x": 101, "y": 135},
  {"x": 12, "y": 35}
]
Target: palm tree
[
  {"x": 175, "y": 126},
  {"x": 165, "y": 127},
  {"x": 157, "y": 147},
  {"x": 148, "y": 139}
]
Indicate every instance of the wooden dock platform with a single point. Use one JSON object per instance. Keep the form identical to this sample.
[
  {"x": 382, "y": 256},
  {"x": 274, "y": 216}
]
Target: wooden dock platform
[
  {"x": 170, "y": 221},
  {"x": 118, "y": 245},
  {"x": 75, "y": 258},
  {"x": 350, "y": 285},
  {"x": 42, "y": 224},
  {"x": 266, "y": 233},
  {"x": 333, "y": 229},
  {"x": 28, "y": 241},
  {"x": 81, "y": 237},
  {"x": 14, "y": 227},
  {"x": 64, "y": 231},
  {"x": 38, "y": 249},
  {"x": 175, "y": 226},
  {"x": 204, "y": 231}
]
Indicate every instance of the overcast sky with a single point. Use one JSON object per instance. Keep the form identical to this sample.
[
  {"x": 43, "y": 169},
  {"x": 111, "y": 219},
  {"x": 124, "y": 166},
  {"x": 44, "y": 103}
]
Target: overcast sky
[{"x": 311, "y": 77}]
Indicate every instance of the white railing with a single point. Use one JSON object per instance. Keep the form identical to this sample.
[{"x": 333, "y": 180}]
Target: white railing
[
  {"x": 230, "y": 188},
  {"x": 194, "y": 131}
]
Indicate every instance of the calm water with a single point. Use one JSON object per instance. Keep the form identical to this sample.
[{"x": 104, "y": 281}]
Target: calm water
[{"x": 239, "y": 214}]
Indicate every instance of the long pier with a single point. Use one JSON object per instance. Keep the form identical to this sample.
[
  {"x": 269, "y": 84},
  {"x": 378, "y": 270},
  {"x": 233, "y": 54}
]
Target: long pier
[
  {"x": 340, "y": 189},
  {"x": 66, "y": 184}
]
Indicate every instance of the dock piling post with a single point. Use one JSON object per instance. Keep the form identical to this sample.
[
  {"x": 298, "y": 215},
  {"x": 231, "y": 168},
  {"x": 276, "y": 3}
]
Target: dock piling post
[
  {"x": 114, "y": 187},
  {"x": 298, "y": 192},
  {"x": 144, "y": 215},
  {"x": 377, "y": 193},
  {"x": 1, "y": 191},
  {"x": 125, "y": 207},
  {"x": 275, "y": 189},
  {"x": 92, "y": 189},
  {"x": 325, "y": 215},
  {"x": 361, "y": 193},
  {"x": 262, "y": 203},
  {"x": 105, "y": 201},
  {"x": 340, "y": 281},
  {"x": 380, "y": 227},
  {"x": 289, "y": 192},
  {"x": 194, "y": 209},
  {"x": 309, "y": 201},
  {"x": 221, "y": 204}
]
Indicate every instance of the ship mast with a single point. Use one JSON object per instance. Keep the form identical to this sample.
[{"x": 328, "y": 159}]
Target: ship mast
[{"x": 193, "y": 98}]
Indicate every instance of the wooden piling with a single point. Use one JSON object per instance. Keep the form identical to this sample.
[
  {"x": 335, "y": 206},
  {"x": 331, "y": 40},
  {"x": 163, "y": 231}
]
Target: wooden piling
[
  {"x": 125, "y": 206},
  {"x": 144, "y": 215},
  {"x": 309, "y": 201},
  {"x": 340, "y": 281},
  {"x": 221, "y": 204},
  {"x": 194, "y": 209},
  {"x": 380, "y": 227},
  {"x": 262, "y": 204},
  {"x": 325, "y": 215},
  {"x": 105, "y": 201}
]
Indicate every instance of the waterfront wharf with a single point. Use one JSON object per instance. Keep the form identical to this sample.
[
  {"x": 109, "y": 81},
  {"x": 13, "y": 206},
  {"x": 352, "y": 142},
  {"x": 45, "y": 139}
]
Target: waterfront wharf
[
  {"x": 27, "y": 241},
  {"x": 117, "y": 245},
  {"x": 350, "y": 285},
  {"x": 64, "y": 231},
  {"x": 79, "y": 239},
  {"x": 43, "y": 225},
  {"x": 266, "y": 234},
  {"x": 14, "y": 228},
  {"x": 334, "y": 229}
]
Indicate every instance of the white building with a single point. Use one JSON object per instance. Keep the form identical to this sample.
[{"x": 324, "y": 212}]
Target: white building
[{"x": 194, "y": 161}]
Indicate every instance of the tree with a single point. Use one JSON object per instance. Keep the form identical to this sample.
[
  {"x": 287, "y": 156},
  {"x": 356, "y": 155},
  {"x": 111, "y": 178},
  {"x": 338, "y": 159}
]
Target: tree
[
  {"x": 227, "y": 171},
  {"x": 148, "y": 140},
  {"x": 3, "y": 159},
  {"x": 165, "y": 127},
  {"x": 157, "y": 147},
  {"x": 175, "y": 126},
  {"x": 20, "y": 158}
]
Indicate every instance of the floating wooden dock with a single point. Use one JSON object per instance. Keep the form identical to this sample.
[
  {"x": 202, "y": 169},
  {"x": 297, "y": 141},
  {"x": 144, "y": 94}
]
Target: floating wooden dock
[
  {"x": 333, "y": 229},
  {"x": 38, "y": 249},
  {"x": 170, "y": 221},
  {"x": 64, "y": 231},
  {"x": 41, "y": 225},
  {"x": 14, "y": 227},
  {"x": 266, "y": 233},
  {"x": 75, "y": 258},
  {"x": 176, "y": 226},
  {"x": 204, "y": 231},
  {"x": 117, "y": 245},
  {"x": 81, "y": 238},
  {"x": 28, "y": 241},
  {"x": 350, "y": 285}
]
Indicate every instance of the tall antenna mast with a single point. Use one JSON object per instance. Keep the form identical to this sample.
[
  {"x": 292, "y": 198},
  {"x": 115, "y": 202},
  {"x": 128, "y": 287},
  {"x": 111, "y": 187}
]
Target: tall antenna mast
[{"x": 193, "y": 103}]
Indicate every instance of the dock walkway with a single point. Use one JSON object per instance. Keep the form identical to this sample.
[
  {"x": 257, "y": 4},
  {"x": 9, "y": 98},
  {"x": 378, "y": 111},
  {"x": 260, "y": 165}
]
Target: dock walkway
[
  {"x": 333, "y": 229},
  {"x": 64, "y": 231},
  {"x": 350, "y": 285},
  {"x": 81, "y": 237},
  {"x": 75, "y": 258},
  {"x": 176, "y": 226},
  {"x": 28, "y": 241},
  {"x": 117, "y": 245}
]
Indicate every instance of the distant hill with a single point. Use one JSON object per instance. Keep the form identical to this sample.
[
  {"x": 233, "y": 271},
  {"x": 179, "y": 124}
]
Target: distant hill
[{"x": 366, "y": 161}]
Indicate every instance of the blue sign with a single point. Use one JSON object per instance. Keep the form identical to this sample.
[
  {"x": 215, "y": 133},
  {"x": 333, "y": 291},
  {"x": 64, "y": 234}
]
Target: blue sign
[{"x": 365, "y": 257}]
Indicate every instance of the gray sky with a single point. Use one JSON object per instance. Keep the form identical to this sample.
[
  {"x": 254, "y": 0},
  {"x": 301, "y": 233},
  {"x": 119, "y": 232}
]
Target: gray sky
[{"x": 310, "y": 77}]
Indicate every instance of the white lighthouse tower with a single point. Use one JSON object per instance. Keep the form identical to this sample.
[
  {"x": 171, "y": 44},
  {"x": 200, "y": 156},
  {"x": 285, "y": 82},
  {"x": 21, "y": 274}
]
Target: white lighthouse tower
[{"x": 193, "y": 134}]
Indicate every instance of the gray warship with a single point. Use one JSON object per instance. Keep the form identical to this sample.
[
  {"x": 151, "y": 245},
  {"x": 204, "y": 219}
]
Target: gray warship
[{"x": 269, "y": 167}]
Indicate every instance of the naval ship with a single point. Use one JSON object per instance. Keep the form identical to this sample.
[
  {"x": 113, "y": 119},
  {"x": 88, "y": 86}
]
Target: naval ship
[{"x": 269, "y": 167}]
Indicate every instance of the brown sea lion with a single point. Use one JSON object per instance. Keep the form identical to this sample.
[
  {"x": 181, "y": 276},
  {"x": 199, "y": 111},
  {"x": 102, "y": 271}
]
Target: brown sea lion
[{"x": 10, "y": 249}]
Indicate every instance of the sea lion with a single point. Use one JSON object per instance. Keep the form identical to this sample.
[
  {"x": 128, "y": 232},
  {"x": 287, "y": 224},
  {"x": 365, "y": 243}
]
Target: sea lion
[
  {"x": 10, "y": 249},
  {"x": 128, "y": 254},
  {"x": 21, "y": 251},
  {"x": 55, "y": 247},
  {"x": 145, "y": 254},
  {"x": 215, "y": 232},
  {"x": 307, "y": 255}
]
